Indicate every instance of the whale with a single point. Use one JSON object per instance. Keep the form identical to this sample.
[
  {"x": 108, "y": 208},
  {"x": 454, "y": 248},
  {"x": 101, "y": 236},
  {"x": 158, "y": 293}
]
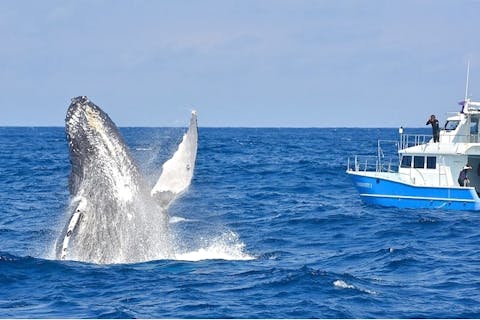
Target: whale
[{"x": 114, "y": 215}]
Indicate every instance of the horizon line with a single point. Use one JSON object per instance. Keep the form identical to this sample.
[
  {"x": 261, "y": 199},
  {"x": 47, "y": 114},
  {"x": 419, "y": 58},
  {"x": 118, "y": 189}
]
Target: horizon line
[{"x": 227, "y": 127}]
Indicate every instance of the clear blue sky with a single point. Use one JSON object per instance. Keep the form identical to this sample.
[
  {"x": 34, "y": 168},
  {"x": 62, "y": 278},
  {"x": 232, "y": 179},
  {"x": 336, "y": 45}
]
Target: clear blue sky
[{"x": 239, "y": 63}]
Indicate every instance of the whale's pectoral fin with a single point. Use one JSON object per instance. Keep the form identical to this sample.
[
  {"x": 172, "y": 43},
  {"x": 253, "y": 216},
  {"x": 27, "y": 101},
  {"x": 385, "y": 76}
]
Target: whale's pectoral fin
[
  {"x": 177, "y": 172},
  {"x": 64, "y": 241}
]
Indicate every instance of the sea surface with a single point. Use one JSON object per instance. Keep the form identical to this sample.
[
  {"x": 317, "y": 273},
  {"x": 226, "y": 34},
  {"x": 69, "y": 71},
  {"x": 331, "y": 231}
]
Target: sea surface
[{"x": 271, "y": 227}]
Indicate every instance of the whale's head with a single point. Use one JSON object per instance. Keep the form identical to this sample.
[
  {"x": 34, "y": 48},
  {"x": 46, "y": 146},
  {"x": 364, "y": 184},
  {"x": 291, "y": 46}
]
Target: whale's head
[
  {"x": 94, "y": 142},
  {"x": 86, "y": 125}
]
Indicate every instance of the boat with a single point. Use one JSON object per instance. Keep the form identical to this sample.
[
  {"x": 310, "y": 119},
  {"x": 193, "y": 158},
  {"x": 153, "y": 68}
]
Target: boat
[{"x": 426, "y": 173}]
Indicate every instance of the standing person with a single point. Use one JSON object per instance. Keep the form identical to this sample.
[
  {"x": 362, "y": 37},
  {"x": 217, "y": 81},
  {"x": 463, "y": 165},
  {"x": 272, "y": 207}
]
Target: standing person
[
  {"x": 435, "y": 128},
  {"x": 463, "y": 180}
]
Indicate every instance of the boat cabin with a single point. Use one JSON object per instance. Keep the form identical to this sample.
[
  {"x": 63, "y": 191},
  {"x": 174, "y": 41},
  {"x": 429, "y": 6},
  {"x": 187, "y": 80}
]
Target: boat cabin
[{"x": 425, "y": 163}]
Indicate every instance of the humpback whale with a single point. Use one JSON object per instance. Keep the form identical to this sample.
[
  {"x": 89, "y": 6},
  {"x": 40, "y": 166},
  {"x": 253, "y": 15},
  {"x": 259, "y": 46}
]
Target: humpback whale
[{"x": 115, "y": 217}]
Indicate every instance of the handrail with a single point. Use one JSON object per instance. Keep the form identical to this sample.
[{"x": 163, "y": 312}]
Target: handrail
[
  {"x": 413, "y": 140},
  {"x": 371, "y": 163}
]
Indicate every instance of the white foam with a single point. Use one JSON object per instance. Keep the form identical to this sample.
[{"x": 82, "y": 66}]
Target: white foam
[
  {"x": 176, "y": 219},
  {"x": 344, "y": 285},
  {"x": 226, "y": 247}
]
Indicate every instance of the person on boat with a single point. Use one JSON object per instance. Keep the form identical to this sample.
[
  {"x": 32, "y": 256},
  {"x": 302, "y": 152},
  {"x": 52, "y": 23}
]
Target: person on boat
[
  {"x": 435, "y": 128},
  {"x": 463, "y": 180}
]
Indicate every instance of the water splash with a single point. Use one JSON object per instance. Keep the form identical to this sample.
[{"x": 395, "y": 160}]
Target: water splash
[
  {"x": 224, "y": 247},
  {"x": 114, "y": 217}
]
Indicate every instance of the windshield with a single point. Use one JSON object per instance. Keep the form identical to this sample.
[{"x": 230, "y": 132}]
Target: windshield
[{"x": 451, "y": 125}]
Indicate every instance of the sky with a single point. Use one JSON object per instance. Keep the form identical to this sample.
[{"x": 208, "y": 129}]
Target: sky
[{"x": 262, "y": 63}]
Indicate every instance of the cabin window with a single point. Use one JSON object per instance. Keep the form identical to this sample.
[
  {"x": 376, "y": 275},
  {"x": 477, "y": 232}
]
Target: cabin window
[
  {"x": 451, "y": 125},
  {"x": 406, "y": 162},
  {"x": 419, "y": 162},
  {"x": 431, "y": 162},
  {"x": 474, "y": 125}
]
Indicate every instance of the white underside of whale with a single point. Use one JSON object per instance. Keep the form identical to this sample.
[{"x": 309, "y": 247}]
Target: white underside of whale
[{"x": 177, "y": 172}]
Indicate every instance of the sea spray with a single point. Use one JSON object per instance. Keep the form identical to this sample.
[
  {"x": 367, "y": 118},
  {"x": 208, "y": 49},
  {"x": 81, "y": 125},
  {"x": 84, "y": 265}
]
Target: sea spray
[{"x": 115, "y": 216}]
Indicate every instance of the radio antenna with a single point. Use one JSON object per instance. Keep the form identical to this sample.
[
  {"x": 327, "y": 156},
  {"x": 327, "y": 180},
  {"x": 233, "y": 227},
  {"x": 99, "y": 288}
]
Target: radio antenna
[{"x": 466, "y": 86}]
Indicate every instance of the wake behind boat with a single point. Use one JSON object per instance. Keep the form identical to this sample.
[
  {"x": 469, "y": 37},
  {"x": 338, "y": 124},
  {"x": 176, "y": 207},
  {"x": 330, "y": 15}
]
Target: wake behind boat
[{"x": 428, "y": 174}]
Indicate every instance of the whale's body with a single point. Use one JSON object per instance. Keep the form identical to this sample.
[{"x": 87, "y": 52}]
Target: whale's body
[{"x": 114, "y": 216}]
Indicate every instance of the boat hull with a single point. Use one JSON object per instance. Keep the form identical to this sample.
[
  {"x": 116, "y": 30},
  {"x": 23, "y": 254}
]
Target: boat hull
[{"x": 387, "y": 190}]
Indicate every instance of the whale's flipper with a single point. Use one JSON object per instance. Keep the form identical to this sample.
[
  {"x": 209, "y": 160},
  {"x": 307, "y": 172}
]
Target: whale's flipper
[
  {"x": 177, "y": 172},
  {"x": 79, "y": 205}
]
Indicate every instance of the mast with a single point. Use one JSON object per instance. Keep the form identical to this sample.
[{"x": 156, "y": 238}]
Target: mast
[{"x": 466, "y": 86}]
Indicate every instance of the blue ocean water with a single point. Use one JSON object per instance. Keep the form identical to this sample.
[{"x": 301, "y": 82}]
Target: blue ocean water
[{"x": 271, "y": 228}]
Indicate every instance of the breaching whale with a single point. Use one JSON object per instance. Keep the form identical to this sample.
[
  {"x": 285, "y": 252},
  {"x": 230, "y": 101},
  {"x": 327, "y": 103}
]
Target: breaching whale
[{"x": 114, "y": 216}]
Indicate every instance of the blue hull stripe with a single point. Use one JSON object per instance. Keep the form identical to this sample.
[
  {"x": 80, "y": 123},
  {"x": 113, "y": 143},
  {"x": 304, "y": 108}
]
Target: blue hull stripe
[{"x": 415, "y": 198}]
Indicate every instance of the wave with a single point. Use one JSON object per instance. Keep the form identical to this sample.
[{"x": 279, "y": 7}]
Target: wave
[
  {"x": 340, "y": 284},
  {"x": 7, "y": 257}
]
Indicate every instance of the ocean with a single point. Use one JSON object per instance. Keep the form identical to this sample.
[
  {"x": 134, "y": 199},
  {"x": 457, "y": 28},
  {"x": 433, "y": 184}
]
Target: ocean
[{"x": 271, "y": 227}]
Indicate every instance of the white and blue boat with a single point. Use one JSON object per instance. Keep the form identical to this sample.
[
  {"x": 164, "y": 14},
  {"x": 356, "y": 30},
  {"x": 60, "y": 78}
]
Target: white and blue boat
[{"x": 426, "y": 173}]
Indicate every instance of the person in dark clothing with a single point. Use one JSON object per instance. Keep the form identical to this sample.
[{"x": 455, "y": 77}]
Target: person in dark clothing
[
  {"x": 463, "y": 180},
  {"x": 435, "y": 128}
]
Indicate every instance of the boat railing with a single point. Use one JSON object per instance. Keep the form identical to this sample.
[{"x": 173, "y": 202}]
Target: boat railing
[
  {"x": 413, "y": 140},
  {"x": 372, "y": 163}
]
